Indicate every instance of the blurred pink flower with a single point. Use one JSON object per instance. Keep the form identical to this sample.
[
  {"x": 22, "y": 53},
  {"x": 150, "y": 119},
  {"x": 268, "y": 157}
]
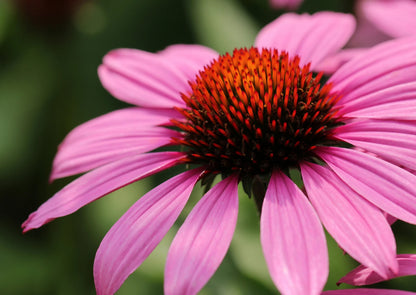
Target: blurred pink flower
[
  {"x": 253, "y": 114},
  {"x": 377, "y": 21},
  {"x": 285, "y": 4},
  {"x": 364, "y": 276},
  {"x": 381, "y": 20}
]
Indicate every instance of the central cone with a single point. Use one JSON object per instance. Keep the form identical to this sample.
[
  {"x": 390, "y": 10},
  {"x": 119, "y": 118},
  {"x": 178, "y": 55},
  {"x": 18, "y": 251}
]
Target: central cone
[{"x": 256, "y": 110}]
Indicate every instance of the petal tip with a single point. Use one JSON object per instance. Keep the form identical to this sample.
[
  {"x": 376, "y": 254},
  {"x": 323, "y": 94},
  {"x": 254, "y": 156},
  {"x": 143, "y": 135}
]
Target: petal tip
[{"x": 31, "y": 223}]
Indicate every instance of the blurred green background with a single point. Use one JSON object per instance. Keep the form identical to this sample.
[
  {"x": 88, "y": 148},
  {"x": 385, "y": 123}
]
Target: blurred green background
[{"x": 49, "y": 53}]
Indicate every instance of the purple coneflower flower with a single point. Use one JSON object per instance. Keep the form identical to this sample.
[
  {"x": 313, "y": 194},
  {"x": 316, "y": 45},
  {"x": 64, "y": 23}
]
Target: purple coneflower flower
[{"x": 256, "y": 116}]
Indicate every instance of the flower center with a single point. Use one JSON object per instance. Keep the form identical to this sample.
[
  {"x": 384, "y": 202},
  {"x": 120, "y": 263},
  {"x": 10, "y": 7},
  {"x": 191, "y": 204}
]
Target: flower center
[{"x": 253, "y": 111}]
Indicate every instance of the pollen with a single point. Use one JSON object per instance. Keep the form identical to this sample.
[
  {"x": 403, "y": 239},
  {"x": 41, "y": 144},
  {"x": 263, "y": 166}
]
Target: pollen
[{"x": 256, "y": 110}]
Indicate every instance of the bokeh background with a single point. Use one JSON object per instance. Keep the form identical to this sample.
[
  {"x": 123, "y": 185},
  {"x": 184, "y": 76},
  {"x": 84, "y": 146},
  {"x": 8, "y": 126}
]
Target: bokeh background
[{"x": 49, "y": 53}]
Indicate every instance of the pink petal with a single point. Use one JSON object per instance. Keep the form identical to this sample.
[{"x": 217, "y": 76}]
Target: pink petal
[
  {"x": 203, "y": 240},
  {"x": 394, "y": 141},
  {"x": 365, "y": 276},
  {"x": 359, "y": 227},
  {"x": 189, "y": 58},
  {"x": 292, "y": 238},
  {"x": 385, "y": 185},
  {"x": 152, "y": 80},
  {"x": 367, "y": 79},
  {"x": 285, "y": 4},
  {"x": 368, "y": 292},
  {"x": 312, "y": 37},
  {"x": 98, "y": 183},
  {"x": 84, "y": 154},
  {"x": 395, "y": 102},
  {"x": 112, "y": 137},
  {"x": 135, "y": 235},
  {"x": 395, "y": 18},
  {"x": 125, "y": 117},
  {"x": 142, "y": 78}
]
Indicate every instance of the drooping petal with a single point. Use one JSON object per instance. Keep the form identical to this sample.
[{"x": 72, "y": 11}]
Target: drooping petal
[
  {"x": 312, "y": 37},
  {"x": 365, "y": 80},
  {"x": 395, "y": 18},
  {"x": 98, "y": 183},
  {"x": 128, "y": 117},
  {"x": 292, "y": 238},
  {"x": 387, "y": 186},
  {"x": 359, "y": 227},
  {"x": 148, "y": 79},
  {"x": 365, "y": 276},
  {"x": 203, "y": 240},
  {"x": 84, "y": 154},
  {"x": 394, "y": 141},
  {"x": 135, "y": 235},
  {"x": 285, "y": 4},
  {"x": 365, "y": 291},
  {"x": 111, "y": 137}
]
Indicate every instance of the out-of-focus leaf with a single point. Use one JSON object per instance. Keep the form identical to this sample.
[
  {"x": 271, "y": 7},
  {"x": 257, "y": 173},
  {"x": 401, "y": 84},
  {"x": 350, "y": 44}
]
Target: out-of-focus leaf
[
  {"x": 33, "y": 273},
  {"x": 5, "y": 16},
  {"x": 90, "y": 18},
  {"x": 222, "y": 24},
  {"x": 24, "y": 88},
  {"x": 339, "y": 264},
  {"x": 106, "y": 211}
]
